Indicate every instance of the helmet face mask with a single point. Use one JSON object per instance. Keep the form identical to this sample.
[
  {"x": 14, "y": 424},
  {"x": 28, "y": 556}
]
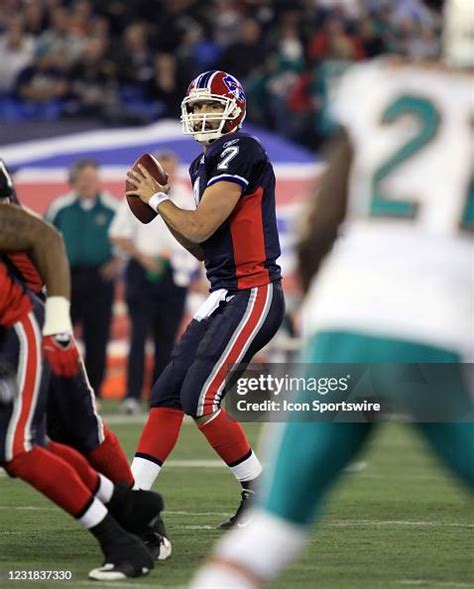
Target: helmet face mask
[{"x": 221, "y": 89}]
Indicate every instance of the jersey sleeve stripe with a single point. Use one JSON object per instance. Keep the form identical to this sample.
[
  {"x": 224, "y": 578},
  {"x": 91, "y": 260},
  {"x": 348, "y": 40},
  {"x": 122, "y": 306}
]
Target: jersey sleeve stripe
[
  {"x": 209, "y": 82},
  {"x": 231, "y": 178}
]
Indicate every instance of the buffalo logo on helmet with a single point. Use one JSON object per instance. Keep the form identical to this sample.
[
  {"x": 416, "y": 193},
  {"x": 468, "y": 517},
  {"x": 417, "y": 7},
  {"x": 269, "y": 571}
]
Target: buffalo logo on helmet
[{"x": 234, "y": 87}]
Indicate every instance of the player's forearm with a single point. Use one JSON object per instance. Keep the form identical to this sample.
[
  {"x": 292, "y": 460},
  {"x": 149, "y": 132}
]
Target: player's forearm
[
  {"x": 49, "y": 257},
  {"x": 193, "y": 248},
  {"x": 192, "y": 225}
]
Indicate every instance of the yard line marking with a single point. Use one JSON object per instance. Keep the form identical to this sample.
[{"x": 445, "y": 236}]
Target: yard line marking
[
  {"x": 28, "y": 508},
  {"x": 371, "y": 522},
  {"x": 333, "y": 524},
  {"x": 433, "y": 583},
  {"x": 117, "y": 419},
  {"x": 410, "y": 477},
  {"x": 185, "y": 463},
  {"x": 214, "y": 463},
  {"x": 195, "y": 513},
  {"x": 123, "y": 584},
  {"x": 168, "y": 512},
  {"x": 198, "y": 527},
  {"x": 356, "y": 466},
  {"x": 193, "y": 463}
]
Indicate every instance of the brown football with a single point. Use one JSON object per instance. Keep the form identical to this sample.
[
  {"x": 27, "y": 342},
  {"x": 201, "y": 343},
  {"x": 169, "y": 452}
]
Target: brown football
[{"x": 141, "y": 210}]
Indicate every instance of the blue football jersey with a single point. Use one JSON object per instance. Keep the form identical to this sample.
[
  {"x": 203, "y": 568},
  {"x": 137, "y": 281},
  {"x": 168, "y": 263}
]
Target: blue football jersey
[{"x": 243, "y": 251}]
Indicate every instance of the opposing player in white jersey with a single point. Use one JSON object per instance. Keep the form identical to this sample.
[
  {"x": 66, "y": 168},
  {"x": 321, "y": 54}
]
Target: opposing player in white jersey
[{"x": 396, "y": 209}]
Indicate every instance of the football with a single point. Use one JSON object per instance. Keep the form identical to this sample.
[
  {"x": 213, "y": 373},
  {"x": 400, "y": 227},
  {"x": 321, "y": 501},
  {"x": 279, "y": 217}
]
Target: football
[{"x": 140, "y": 209}]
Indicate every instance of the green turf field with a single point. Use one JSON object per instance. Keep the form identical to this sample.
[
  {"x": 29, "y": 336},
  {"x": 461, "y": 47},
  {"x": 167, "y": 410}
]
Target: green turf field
[{"x": 400, "y": 522}]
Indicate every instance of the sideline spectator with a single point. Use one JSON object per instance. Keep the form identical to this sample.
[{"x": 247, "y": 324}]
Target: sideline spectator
[
  {"x": 34, "y": 18},
  {"x": 84, "y": 216},
  {"x": 93, "y": 82},
  {"x": 241, "y": 57},
  {"x": 134, "y": 60},
  {"x": 59, "y": 39},
  {"x": 17, "y": 51},
  {"x": 157, "y": 275},
  {"x": 334, "y": 32},
  {"x": 166, "y": 85},
  {"x": 325, "y": 80},
  {"x": 125, "y": 62},
  {"x": 95, "y": 88},
  {"x": 44, "y": 80}
]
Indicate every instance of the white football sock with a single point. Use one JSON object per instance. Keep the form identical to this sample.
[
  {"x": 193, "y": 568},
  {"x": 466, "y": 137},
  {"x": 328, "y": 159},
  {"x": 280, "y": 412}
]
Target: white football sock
[
  {"x": 106, "y": 489},
  {"x": 248, "y": 470},
  {"x": 95, "y": 513},
  {"x": 144, "y": 473}
]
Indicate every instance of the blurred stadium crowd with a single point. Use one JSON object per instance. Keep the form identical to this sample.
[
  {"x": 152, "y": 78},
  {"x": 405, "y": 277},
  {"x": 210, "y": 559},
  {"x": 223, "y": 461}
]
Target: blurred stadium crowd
[{"x": 130, "y": 62}]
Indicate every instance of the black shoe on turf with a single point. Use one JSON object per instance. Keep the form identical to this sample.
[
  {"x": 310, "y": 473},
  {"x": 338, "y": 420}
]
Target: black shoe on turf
[
  {"x": 239, "y": 519},
  {"x": 136, "y": 510},
  {"x": 157, "y": 541},
  {"x": 126, "y": 559}
]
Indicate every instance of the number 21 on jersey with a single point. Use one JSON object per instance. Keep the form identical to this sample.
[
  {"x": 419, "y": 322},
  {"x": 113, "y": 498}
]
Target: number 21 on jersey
[{"x": 429, "y": 120}]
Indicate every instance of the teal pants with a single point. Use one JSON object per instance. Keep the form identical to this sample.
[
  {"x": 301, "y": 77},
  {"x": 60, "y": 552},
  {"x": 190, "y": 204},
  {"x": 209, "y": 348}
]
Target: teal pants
[{"x": 310, "y": 456}]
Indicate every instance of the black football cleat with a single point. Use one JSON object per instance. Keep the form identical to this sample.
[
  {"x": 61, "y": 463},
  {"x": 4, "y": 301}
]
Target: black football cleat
[
  {"x": 136, "y": 510},
  {"x": 126, "y": 559},
  {"x": 239, "y": 519},
  {"x": 156, "y": 540}
]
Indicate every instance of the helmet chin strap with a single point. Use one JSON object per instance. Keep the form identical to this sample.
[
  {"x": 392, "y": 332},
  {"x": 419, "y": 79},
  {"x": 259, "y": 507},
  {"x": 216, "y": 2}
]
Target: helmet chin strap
[{"x": 208, "y": 142}]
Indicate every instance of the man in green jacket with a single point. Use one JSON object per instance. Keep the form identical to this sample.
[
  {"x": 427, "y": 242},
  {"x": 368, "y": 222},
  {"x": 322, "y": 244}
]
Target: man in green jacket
[{"x": 83, "y": 216}]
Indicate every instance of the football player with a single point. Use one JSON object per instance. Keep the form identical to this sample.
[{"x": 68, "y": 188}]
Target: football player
[
  {"x": 233, "y": 229},
  {"x": 397, "y": 286},
  {"x": 29, "y": 329},
  {"x": 72, "y": 416}
]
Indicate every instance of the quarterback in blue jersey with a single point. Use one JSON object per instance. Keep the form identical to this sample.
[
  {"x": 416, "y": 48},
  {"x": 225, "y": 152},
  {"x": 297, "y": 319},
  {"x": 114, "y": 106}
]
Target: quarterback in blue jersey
[{"x": 234, "y": 231}]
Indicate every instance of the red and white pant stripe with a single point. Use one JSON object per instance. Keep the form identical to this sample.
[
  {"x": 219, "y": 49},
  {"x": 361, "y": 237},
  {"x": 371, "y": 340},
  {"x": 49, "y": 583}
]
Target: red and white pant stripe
[
  {"x": 255, "y": 314},
  {"x": 18, "y": 439}
]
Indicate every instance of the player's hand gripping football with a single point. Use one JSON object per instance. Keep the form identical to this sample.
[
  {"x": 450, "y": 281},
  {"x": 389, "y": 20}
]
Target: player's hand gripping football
[
  {"x": 62, "y": 354},
  {"x": 145, "y": 185}
]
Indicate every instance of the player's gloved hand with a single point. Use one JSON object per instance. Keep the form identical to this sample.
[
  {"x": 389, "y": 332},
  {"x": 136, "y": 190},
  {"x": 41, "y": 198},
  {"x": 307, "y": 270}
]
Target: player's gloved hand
[
  {"x": 59, "y": 347},
  {"x": 62, "y": 354}
]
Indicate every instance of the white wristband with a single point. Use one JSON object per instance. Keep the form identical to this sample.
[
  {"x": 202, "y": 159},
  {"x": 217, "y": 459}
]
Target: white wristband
[
  {"x": 56, "y": 316},
  {"x": 157, "y": 199}
]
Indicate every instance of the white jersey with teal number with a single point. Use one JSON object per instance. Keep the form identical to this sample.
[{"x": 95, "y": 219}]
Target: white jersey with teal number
[{"x": 404, "y": 264}]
